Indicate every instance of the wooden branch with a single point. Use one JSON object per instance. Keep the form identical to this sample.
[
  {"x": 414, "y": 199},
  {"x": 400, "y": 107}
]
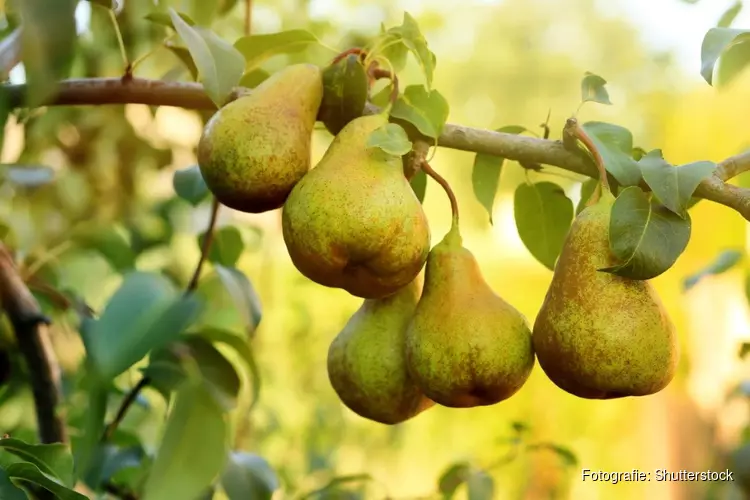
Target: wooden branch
[
  {"x": 523, "y": 149},
  {"x": 30, "y": 328}
]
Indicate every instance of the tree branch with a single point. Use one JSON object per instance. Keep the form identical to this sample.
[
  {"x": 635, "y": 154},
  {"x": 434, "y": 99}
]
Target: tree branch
[
  {"x": 30, "y": 327},
  {"x": 523, "y": 149}
]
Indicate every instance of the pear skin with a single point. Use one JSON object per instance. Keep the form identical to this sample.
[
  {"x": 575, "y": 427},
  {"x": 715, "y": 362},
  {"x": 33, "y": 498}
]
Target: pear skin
[
  {"x": 353, "y": 222},
  {"x": 255, "y": 149},
  {"x": 598, "y": 335},
  {"x": 466, "y": 346},
  {"x": 366, "y": 361}
]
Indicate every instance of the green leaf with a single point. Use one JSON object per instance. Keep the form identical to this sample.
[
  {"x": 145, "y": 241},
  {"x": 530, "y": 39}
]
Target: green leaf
[
  {"x": 247, "y": 475},
  {"x": 413, "y": 39},
  {"x": 253, "y": 78},
  {"x": 383, "y": 97},
  {"x": 220, "y": 65},
  {"x": 728, "y": 17},
  {"x": 453, "y": 477},
  {"x": 47, "y": 45},
  {"x": 566, "y": 455},
  {"x": 194, "y": 447},
  {"x": 53, "y": 459},
  {"x": 111, "y": 241},
  {"x": 189, "y": 185},
  {"x": 615, "y": 144},
  {"x": 183, "y": 54},
  {"x": 638, "y": 153},
  {"x": 9, "y": 491},
  {"x": 227, "y": 246},
  {"x": 744, "y": 350},
  {"x": 426, "y": 110},
  {"x": 644, "y": 236},
  {"x": 334, "y": 483},
  {"x": 593, "y": 89},
  {"x": 543, "y": 215},
  {"x": 256, "y": 49},
  {"x": 145, "y": 313},
  {"x": 345, "y": 89},
  {"x": 28, "y": 175},
  {"x": 243, "y": 294},
  {"x": 485, "y": 178},
  {"x": 723, "y": 262},
  {"x": 392, "y": 47},
  {"x": 480, "y": 486},
  {"x": 166, "y": 19},
  {"x": 243, "y": 349},
  {"x": 587, "y": 189},
  {"x": 716, "y": 45},
  {"x": 391, "y": 138},
  {"x": 87, "y": 447},
  {"x": 673, "y": 186},
  {"x": 167, "y": 371},
  {"x": 485, "y": 174},
  {"x": 419, "y": 185},
  {"x": 24, "y": 471}
]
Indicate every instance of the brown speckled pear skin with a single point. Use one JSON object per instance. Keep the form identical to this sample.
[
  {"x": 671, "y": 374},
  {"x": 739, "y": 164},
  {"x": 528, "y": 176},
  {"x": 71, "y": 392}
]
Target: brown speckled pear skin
[
  {"x": 466, "y": 346},
  {"x": 353, "y": 222},
  {"x": 597, "y": 335},
  {"x": 255, "y": 149},
  {"x": 366, "y": 364}
]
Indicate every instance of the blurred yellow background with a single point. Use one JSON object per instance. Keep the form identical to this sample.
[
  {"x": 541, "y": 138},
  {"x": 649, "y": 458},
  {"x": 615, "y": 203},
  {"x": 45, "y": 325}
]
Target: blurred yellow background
[{"x": 498, "y": 63}]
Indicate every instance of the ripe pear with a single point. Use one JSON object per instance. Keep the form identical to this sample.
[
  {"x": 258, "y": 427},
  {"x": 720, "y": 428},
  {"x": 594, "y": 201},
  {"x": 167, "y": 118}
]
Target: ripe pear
[
  {"x": 255, "y": 149},
  {"x": 353, "y": 222},
  {"x": 465, "y": 346},
  {"x": 366, "y": 364},
  {"x": 599, "y": 335}
]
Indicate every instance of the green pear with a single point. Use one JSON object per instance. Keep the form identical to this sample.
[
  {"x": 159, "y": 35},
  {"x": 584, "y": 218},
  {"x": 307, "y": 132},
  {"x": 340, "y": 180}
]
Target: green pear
[
  {"x": 353, "y": 222},
  {"x": 465, "y": 346},
  {"x": 366, "y": 364},
  {"x": 255, "y": 149},
  {"x": 598, "y": 335}
]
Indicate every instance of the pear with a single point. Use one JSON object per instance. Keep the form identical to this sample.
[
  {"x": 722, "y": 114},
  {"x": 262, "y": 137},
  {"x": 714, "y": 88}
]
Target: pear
[
  {"x": 366, "y": 364},
  {"x": 255, "y": 149},
  {"x": 599, "y": 335},
  {"x": 353, "y": 222},
  {"x": 465, "y": 346}
]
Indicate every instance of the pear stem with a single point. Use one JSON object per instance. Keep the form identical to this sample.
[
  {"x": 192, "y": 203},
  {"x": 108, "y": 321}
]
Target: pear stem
[
  {"x": 355, "y": 50},
  {"x": 444, "y": 184},
  {"x": 574, "y": 131}
]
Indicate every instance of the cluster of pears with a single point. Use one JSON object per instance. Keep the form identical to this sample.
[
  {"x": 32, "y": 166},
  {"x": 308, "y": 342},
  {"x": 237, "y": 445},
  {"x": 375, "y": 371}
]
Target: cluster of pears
[{"x": 430, "y": 329}]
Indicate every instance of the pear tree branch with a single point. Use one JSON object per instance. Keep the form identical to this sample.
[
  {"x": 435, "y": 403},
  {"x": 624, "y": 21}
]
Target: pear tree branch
[
  {"x": 30, "y": 328},
  {"x": 523, "y": 149}
]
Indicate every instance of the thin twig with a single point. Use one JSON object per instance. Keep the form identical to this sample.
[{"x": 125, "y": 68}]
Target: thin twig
[
  {"x": 446, "y": 187},
  {"x": 206, "y": 247},
  {"x": 30, "y": 328},
  {"x": 132, "y": 395},
  {"x": 127, "y": 402},
  {"x": 515, "y": 147}
]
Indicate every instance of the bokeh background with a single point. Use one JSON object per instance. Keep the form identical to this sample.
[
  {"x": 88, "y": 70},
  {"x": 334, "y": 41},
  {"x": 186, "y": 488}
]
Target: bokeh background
[{"x": 506, "y": 62}]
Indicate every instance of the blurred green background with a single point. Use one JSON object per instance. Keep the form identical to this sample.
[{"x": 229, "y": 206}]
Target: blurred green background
[{"x": 498, "y": 63}]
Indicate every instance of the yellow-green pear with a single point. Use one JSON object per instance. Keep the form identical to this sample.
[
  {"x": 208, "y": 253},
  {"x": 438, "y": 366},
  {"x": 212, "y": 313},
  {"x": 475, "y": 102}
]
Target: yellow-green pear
[
  {"x": 466, "y": 346},
  {"x": 255, "y": 149},
  {"x": 353, "y": 222},
  {"x": 599, "y": 335},
  {"x": 366, "y": 364}
]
